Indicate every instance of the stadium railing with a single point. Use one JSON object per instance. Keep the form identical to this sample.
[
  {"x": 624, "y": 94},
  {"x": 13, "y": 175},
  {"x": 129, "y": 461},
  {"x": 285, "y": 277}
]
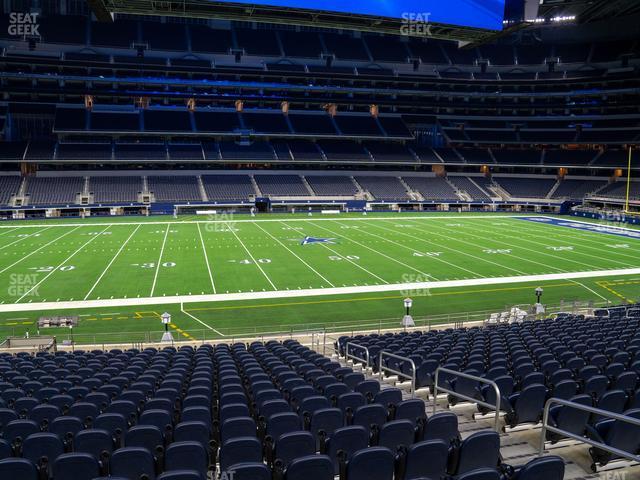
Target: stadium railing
[
  {"x": 546, "y": 427},
  {"x": 437, "y": 388},
  {"x": 411, "y": 377},
  {"x": 351, "y": 356}
]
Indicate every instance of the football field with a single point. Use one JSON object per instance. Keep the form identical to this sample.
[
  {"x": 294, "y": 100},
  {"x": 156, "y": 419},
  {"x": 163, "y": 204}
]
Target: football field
[{"x": 84, "y": 265}]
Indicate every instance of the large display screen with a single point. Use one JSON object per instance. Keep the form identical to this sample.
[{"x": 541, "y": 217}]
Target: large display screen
[{"x": 487, "y": 14}]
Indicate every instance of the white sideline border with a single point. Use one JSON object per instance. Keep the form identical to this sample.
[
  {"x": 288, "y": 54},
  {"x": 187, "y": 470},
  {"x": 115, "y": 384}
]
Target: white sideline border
[
  {"x": 313, "y": 292},
  {"x": 267, "y": 220}
]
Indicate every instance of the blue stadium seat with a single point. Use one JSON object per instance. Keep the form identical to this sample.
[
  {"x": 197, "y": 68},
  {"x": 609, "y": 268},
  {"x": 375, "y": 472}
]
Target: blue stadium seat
[
  {"x": 549, "y": 468},
  {"x": 132, "y": 462},
  {"x": 18, "y": 468},
  {"x": 479, "y": 450},
  {"x": 78, "y": 466},
  {"x": 373, "y": 463},
  {"x": 187, "y": 456},
  {"x": 414, "y": 466},
  {"x": 313, "y": 467}
]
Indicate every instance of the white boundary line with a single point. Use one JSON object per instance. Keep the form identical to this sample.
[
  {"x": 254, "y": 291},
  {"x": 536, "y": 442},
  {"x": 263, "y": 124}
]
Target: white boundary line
[
  {"x": 155, "y": 276},
  {"x": 267, "y": 220},
  {"x": 206, "y": 259},
  {"x": 296, "y": 255},
  {"x": 318, "y": 292},
  {"x": 111, "y": 262},
  {"x": 231, "y": 229},
  {"x": 62, "y": 264},
  {"x": 200, "y": 321}
]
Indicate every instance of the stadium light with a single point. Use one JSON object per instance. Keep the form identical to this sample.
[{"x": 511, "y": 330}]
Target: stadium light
[{"x": 407, "y": 320}]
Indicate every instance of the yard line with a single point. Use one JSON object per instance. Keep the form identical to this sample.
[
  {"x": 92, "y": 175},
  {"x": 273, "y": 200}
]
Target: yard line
[
  {"x": 460, "y": 252},
  {"x": 155, "y": 276},
  {"x": 62, "y": 264},
  {"x": 296, "y": 255},
  {"x": 376, "y": 251},
  {"x": 9, "y": 231},
  {"x": 37, "y": 250},
  {"x": 21, "y": 239},
  {"x": 588, "y": 289},
  {"x": 586, "y": 236},
  {"x": 512, "y": 255},
  {"x": 112, "y": 261},
  {"x": 349, "y": 260},
  {"x": 251, "y": 256},
  {"x": 206, "y": 259},
  {"x": 418, "y": 251},
  {"x": 200, "y": 321},
  {"x": 549, "y": 254}
]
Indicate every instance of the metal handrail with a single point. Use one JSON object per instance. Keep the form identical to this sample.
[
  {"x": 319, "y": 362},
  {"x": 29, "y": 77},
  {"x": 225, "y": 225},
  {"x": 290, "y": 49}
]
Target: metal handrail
[
  {"x": 351, "y": 356},
  {"x": 411, "y": 377},
  {"x": 602, "y": 446},
  {"x": 464, "y": 397}
]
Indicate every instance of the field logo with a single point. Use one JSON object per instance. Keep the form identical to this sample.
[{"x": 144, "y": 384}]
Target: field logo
[
  {"x": 221, "y": 222},
  {"x": 23, "y": 284},
  {"x": 416, "y": 24},
  {"x": 23, "y": 24},
  {"x": 312, "y": 240},
  {"x": 415, "y": 278}
]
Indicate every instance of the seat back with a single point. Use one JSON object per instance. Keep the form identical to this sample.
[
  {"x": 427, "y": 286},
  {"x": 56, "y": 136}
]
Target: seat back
[
  {"x": 479, "y": 450},
  {"x": 548, "y": 468},
  {"x": 373, "y": 463},
  {"x": 313, "y": 467},
  {"x": 414, "y": 465},
  {"x": 76, "y": 466},
  {"x": 397, "y": 433}
]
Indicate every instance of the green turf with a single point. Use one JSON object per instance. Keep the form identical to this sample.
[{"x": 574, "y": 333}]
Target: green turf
[{"x": 98, "y": 259}]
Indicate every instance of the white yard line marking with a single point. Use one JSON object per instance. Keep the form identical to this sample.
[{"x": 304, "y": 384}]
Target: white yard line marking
[
  {"x": 375, "y": 251},
  {"x": 155, "y": 276},
  {"x": 38, "y": 249},
  {"x": 296, "y": 255},
  {"x": 206, "y": 259},
  {"x": 544, "y": 245},
  {"x": 588, "y": 289},
  {"x": 9, "y": 231},
  {"x": 200, "y": 321},
  {"x": 61, "y": 264},
  {"x": 459, "y": 252},
  {"x": 267, "y": 220},
  {"x": 111, "y": 262},
  {"x": 584, "y": 235},
  {"x": 318, "y": 292},
  {"x": 22, "y": 239},
  {"x": 418, "y": 251},
  {"x": 348, "y": 260},
  {"x": 255, "y": 262},
  {"x": 502, "y": 244}
]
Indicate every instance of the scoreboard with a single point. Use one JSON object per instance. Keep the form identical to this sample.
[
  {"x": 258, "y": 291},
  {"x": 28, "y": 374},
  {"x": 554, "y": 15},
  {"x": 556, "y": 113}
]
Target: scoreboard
[{"x": 483, "y": 14}]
